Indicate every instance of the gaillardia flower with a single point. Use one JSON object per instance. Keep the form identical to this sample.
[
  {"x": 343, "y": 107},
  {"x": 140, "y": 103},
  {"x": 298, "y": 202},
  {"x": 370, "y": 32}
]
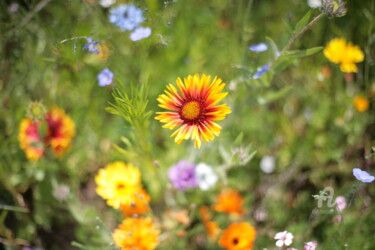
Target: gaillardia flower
[
  {"x": 60, "y": 130},
  {"x": 117, "y": 183},
  {"x": 30, "y": 140},
  {"x": 136, "y": 233},
  {"x": 59, "y": 134},
  {"x": 344, "y": 53},
  {"x": 193, "y": 108}
]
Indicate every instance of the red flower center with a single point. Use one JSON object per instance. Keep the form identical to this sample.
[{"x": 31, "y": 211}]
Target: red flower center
[{"x": 235, "y": 241}]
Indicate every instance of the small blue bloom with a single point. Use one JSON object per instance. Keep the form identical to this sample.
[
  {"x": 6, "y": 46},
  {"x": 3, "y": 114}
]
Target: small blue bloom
[
  {"x": 127, "y": 17},
  {"x": 91, "y": 46},
  {"x": 258, "y": 47},
  {"x": 362, "y": 175},
  {"x": 140, "y": 33},
  {"x": 105, "y": 77},
  {"x": 261, "y": 71}
]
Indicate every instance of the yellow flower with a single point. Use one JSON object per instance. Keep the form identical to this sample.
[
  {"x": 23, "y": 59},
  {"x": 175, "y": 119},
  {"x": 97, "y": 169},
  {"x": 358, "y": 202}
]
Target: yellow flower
[
  {"x": 136, "y": 233},
  {"x": 238, "y": 236},
  {"x": 104, "y": 51},
  {"x": 344, "y": 53},
  {"x": 361, "y": 103},
  {"x": 193, "y": 108},
  {"x": 117, "y": 183}
]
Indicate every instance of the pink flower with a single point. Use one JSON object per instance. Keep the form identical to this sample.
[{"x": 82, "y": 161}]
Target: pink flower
[
  {"x": 340, "y": 203},
  {"x": 283, "y": 239},
  {"x": 310, "y": 245}
]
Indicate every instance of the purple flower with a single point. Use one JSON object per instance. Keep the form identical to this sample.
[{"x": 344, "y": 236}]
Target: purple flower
[
  {"x": 140, "y": 33},
  {"x": 105, "y": 77},
  {"x": 261, "y": 71},
  {"x": 362, "y": 175},
  {"x": 91, "y": 46},
  {"x": 182, "y": 175},
  {"x": 127, "y": 17},
  {"x": 260, "y": 47}
]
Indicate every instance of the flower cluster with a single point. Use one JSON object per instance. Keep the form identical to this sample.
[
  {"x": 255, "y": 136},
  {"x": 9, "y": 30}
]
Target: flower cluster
[
  {"x": 120, "y": 185},
  {"x": 59, "y": 132},
  {"x": 187, "y": 175},
  {"x": 129, "y": 17}
]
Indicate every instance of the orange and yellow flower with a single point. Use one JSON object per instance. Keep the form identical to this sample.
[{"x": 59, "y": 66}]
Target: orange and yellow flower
[
  {"x": 117, "y": 183},
  {"x": 30, "y": 140},
  {"x": 344, "y": 53},
  {"x": 361, "y": 103},
  {"x": 59, "y": 134},
  {"x": 138, "y": 205},
  {"x": 60, "y": 130},
  {"x": 238, "y": 236},
  {"x": 193, "y": 108},
  {"x": 212, "y": 227},
  {"x": 136, "y": 233},
  {"x": 229, "y": 201}
]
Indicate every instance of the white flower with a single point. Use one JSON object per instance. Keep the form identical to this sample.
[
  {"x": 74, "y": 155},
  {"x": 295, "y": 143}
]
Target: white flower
[
  {"x": 267, "y": 164},
  {"x": 61, "y": 192},
  {"x": 283, "y": 239},
  {"x": 314, "y": 3},
  {"x": 206, "y": 176},
  {"x": 106, "y": 3}
]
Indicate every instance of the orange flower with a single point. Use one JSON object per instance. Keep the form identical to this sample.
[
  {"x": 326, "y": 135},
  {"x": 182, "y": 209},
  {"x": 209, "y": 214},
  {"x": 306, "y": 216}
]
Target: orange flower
[
  {"x": 104, "y": 51},
  {"x": 30, "y": 140},
  {"x": 138, "y": 205},
  {"x": 212, "y": 227},
  {"x": 238, "y": 236},
  {"x": 193, "y": 108},
  {"x": 60, "y": 130},
  {"x": 229, "y": 201},
  {"x": 360, "y": 103},
  {"x": 136, "y": 233}
]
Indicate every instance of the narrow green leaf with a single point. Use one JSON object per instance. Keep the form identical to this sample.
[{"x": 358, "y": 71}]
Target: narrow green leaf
[{"x": 303, "y": 22}]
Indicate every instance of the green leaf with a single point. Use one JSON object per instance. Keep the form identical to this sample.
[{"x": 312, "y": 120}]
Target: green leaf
[
  {"x": 273, "y": 46},
  {"x": 273, "y": 96},
  {"x": 303, "y": 22},
  {"x": 288, "y": 58}
]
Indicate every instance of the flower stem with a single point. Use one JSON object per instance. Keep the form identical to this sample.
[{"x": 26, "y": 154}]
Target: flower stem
[{"x": 299, "y": 34}]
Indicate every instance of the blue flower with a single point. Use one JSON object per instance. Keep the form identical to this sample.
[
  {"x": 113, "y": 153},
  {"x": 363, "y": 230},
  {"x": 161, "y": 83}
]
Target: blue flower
[
  {"x": 261, "y": 71},
  {"x": 91, "y": 46},
  {"x": 140, "y": 33},
  {"x": 362, "y": 175},
  {"x": 258, "y": 47},
  {"x": 127, "y": 17},
  {"x": 105, "y": 77}
]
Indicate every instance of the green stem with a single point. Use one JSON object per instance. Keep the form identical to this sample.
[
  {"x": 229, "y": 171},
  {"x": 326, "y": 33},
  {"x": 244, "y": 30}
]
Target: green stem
[
  {"x": 299, "y": 34},
  {"x": 13, "y": 208}
]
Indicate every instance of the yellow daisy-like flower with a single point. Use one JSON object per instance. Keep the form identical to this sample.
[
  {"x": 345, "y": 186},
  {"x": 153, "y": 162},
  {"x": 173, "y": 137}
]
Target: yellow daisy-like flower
[
  {"x": 344, "y": 53},
  {"x": 193, "y": 108},
  {"x": 136, "y": 233},
  {"x": 117, "y": 183},
  {"x": 138, "y": 205},
  {"x": 360, "y": 103}
]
